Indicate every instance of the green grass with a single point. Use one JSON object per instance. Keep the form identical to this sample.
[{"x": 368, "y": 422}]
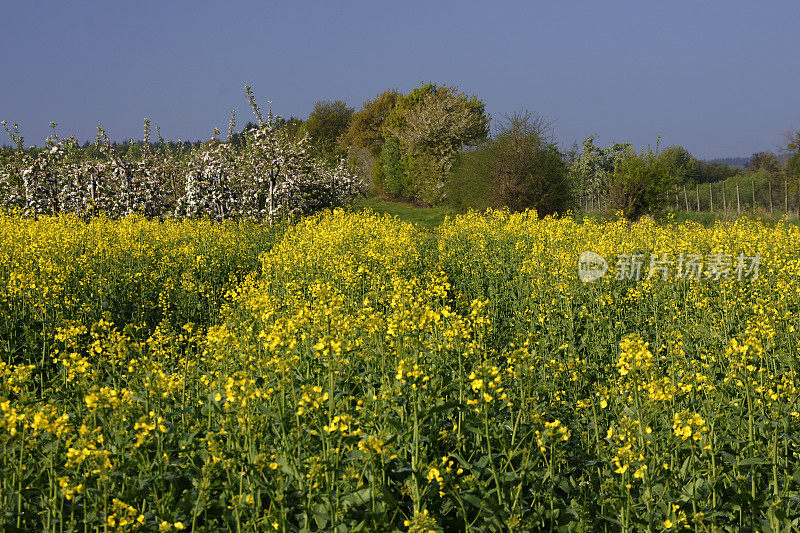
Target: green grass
[
  {"x": 430, "y": 217},
  {"x": 423, "y": 217}
]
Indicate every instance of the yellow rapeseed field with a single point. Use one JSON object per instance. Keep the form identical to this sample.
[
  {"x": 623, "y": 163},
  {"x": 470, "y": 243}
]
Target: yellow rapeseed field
[{"x": 351, "y": 372}]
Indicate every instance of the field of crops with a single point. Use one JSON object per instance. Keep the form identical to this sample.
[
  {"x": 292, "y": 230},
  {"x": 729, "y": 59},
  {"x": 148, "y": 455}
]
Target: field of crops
[{"x": 352, "y": 372}]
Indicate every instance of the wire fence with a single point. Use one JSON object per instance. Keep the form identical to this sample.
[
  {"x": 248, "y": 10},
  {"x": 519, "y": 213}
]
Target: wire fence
[{"x": 744, "y": 196}]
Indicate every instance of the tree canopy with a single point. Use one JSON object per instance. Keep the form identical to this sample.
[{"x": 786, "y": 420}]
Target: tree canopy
[{"x": 326, "y": 123}]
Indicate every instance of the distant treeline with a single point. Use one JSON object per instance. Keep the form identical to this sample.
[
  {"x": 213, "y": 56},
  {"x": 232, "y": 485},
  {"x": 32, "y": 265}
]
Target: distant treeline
[
  {"x": 733, "y": 162},
  {"x": 433, "y": 146}
]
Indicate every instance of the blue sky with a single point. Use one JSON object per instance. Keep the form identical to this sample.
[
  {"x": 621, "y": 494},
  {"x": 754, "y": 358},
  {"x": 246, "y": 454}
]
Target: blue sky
[{"x": 720, "y": 78}]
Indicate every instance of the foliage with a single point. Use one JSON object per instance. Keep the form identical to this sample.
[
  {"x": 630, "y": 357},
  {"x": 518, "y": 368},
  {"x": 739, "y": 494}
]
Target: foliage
[
  {"x": 685, "y": 169},
  {"x": 593, "y": 167},
  {"x": 679, "y": 165},
  {"x": 432, "y": 124},
  {"x": 408, "y": 143},
  {"x": 639, "y": 184},
  {"x": 328, "y": 121},
  {"x": 774, "y": 171},
  {"x": 766, "y": 160},
  {"x": 364, "y": 139},
  {"x": 793, "y": 151},
  {"x": 364, "y": 375},
  {"x": 793, "y": 166},
  {"x": 395, "y": 120},
  {"x": 366, "y": 128},
  {"x": 391, "y": 175},
  {"x": 520, "y": 168},
  {"x": 715, "y": 171}
]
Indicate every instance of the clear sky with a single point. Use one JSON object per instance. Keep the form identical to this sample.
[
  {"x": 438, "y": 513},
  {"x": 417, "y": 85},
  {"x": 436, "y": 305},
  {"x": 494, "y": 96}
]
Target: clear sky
[{"x": 721, "y": 78}]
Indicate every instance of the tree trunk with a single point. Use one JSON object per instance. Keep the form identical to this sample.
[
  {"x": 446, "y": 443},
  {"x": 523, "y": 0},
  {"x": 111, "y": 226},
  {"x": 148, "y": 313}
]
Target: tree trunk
[{"x": 271, "y": 198}]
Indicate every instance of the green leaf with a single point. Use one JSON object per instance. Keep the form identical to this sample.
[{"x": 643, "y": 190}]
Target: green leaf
[
  {"x": 359, "y": 496},
  {"x": 752, "y": 461}
]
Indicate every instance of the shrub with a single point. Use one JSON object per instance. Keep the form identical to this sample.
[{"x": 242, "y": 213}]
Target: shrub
[
  {"x": 639, "y": 184},
  {"x": 520, "y": 169}
]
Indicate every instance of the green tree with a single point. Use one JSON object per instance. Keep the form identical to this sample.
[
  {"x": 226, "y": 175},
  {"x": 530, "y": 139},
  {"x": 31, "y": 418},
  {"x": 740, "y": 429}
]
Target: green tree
[
  {"x": 364, "y": 139},
  {"x": 520, "y": 168},
  {"x": 766, "y": 160},
  {"x": 395, "y": 120},
  {"x": 591, "y": 170},
  {"x": 793, "y": 166},
  {"x": 639, "y": 184},
  {"x": 432, "y": 124},
  {"x": 792, "y": 151},
  {"x": 769, "y": 167},
  {"x": 326, "y": 123},
  {"x": 682, "y": 167},
  {"x": 792, "y": 137},
  {"x": 391, "y": 168},
  {"x": 366, "y": 127},
  {"x": 709, "y": 172}
]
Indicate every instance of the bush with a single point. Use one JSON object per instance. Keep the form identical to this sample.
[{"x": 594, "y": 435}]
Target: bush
[
  {"x": 520, "y": 169},
  {"x": 639, "y": 184}
]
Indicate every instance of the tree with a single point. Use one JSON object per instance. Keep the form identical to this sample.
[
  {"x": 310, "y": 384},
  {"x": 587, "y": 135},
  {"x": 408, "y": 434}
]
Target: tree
[
  {"x": 792, "y": 138},
  {"x": 592, "y": 169},
  {"x": 326, "y": 123},
  {"x": 639, "y": 184},
  {"x": 766, "y": 160},
  {"x": 432, "y": 124},
  {"x": 679, "y": 164},
  {"x": 520, "y": 168},
  {"x": 767, "y": 167},
  {"x": 390, "y": 168},
  {"x": 793, "y": 166},
  {"x": 364, "y": 139},
  {"x": 709, "y": 172},
  {"x": 366, "y": 127}
]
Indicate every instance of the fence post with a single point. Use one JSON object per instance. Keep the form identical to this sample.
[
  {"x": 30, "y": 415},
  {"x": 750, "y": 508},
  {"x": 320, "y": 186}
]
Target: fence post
[
  {"x": 724, "y": 199},
  {"x": 698, "y": 197},
  {"x": 685, "y": 198},
  {"x": 738, "y": 203},
  {"x": 710, "y": 198}
]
